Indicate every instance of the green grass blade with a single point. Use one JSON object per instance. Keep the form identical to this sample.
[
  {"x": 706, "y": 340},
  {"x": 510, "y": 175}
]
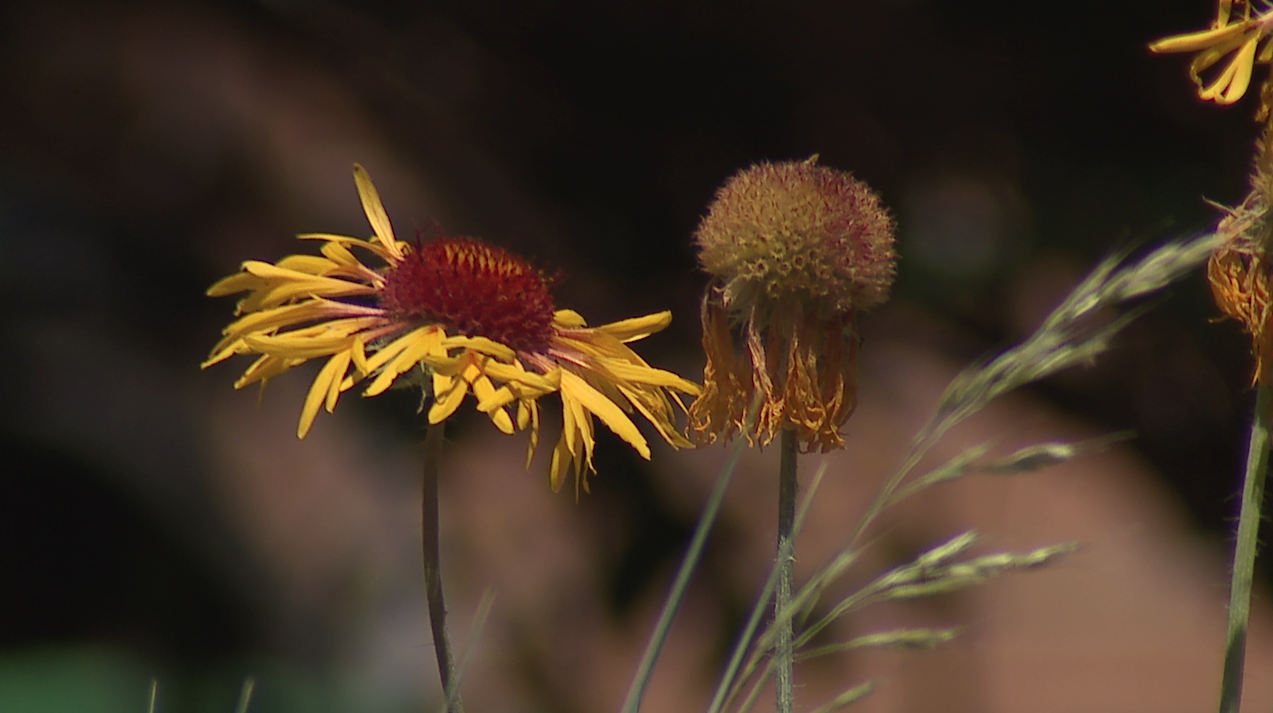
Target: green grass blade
[{"x": 632, "y": 703}]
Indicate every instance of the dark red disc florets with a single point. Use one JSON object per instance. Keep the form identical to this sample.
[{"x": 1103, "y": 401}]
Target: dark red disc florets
[{"x": 473, "y": 289}]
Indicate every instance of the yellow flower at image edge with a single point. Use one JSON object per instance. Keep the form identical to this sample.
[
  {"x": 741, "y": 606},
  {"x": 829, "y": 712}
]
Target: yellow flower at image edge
[
  {"x": 477, "y": 319},
  {"x": 1238, "y": 40}
]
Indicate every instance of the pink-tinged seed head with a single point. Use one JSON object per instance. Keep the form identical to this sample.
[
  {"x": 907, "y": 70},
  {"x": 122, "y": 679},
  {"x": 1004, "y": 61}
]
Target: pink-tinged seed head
[{"x": 800, "y": 229}]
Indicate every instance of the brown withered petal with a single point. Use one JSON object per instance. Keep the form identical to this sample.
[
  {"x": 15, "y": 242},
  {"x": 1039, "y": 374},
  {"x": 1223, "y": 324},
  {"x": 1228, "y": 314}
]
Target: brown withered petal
[
  {"x": 796, "y": 251},
  {"x": 1240, "y": 282}
]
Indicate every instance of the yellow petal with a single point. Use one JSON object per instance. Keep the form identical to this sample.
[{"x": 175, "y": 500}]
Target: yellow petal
[
  {"x": 308, "y": 264},
  {"x": 574, "y": 390},
  {"x": 289, "y": 315},
  {"x": 288, "y": 285},
  {"x": 318, "y": 391},
  {"x": 501, "y": 419},
  {"x": 264, "y": 369},
  {"x": 445, "y": 404},
  {"x": 630, "y": 330},
  {"x": 359, "y": 350},
  {"x": 375, "y": 211},
  {"x": 339, "y": 364},
  {"x": 472, "y": 370},
  {"x": 340, "y": 255},
  {"x": 407, "y": 351},
  {"x": 313, "y": 342},
  {"x": 568, "y": 319},
  {"x": 572, "y": 419},
  {"x": 418, "y": 338},
  {"x": 481, "y": 345},
  {"x": 490, "y": 398},
  {"x": 531, "y": 408},
  {"x": 348, "y": 240},
  {"x": 238, "y": 282},
  {"x": 659, "y": 418},
  {"x": 1235, "y": 79},
  {"x": 491, "y": 401},
  {"x": 650, "y": 376},
  {"x": 517, "y": 373},
  {"x": 1194, "y": 41},
  {"x": 562, "y": 459},
  {"x": 442, "y": 383}
]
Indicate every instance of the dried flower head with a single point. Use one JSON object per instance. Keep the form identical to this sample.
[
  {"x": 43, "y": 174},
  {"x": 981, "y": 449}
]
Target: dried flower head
[
  {"x": 796, "y": 250},
  {"x": 468, "y": 316},
  {"x": 1240, "y": 270}
]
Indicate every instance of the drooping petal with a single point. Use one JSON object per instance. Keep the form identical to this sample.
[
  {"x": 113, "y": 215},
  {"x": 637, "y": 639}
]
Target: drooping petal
[
  {"x": 575, "y": 390},
  {"x": 484, "y": 391},
  {"x": 445, "y": 404},
  {"x": 326, "y": 387}
]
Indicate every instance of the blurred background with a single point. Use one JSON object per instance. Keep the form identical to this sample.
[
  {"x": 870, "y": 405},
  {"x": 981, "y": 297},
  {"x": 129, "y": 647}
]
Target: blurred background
[{"x": 154, "y": 523}]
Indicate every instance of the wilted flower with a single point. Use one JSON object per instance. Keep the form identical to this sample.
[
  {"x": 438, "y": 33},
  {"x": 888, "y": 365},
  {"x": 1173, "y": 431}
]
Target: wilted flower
[
  {"x": 467, "y": 316},
  {"x": 1240, "y": 271},
  {"x": 796, "y": 251}
]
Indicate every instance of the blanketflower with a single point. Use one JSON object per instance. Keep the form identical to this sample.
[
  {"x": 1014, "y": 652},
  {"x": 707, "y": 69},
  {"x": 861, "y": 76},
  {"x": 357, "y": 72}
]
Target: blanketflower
[
  {"x": 470, "y": 317},
  {"x": 797, "y": 250},
  {"x": 1241, "y": 39}
]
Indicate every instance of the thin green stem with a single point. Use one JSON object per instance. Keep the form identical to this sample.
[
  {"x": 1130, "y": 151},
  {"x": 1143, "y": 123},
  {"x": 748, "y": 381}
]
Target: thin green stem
[
  {"x": 787, "y": 486},
  {"x": 692, "y": 555},
  {"x": 1257, "y": 461},
  {"x": 433, "y": 565}
]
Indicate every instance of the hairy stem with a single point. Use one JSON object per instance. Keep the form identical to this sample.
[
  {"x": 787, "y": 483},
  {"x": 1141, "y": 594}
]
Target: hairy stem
[
  {"x": 433, "y": 566},
  {"x": 1257, "y": 461},
  {"x": 787, "y": 486}
]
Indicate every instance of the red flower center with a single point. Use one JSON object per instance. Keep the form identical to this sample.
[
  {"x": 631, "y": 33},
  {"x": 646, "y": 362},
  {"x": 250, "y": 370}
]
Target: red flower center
[{"x": 472, "y": 289}]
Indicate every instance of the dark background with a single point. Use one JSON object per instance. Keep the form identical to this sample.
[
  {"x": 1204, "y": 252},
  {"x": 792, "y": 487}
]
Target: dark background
[{"x": 146, "y": 149}]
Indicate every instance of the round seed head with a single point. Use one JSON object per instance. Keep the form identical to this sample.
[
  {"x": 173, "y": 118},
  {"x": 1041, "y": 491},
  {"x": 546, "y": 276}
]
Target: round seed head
[{"x": 800, "y": 229}]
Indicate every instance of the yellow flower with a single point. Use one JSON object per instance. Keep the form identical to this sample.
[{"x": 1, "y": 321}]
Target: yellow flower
[
  {"x": 472, "y": 317},
  {"x": 1238, "y": 40},
  {"x": 796, "y": 250}
]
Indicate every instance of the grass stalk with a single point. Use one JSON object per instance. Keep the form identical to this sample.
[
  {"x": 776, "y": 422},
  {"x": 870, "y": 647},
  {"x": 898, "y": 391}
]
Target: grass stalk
[
  {"x": 245, "y": 695},
  {"x": 693, "y": 554},
  {"x": 1257, "y": 462},
  {"x": 429, "y": 541}
]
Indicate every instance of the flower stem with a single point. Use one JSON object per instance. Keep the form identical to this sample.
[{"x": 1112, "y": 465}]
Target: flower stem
[
  {"x": 787, "y": 486},
  {"x": 433, "y": 566},
  {"x": 1257, "y": 461}
]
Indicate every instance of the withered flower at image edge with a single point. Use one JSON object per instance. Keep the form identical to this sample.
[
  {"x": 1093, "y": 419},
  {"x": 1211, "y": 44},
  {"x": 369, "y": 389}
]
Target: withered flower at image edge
[
  {"x": 796, "y": 251},
  {"x": 1240, "y": 271},
  {"x": 468, "y": 316}
]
